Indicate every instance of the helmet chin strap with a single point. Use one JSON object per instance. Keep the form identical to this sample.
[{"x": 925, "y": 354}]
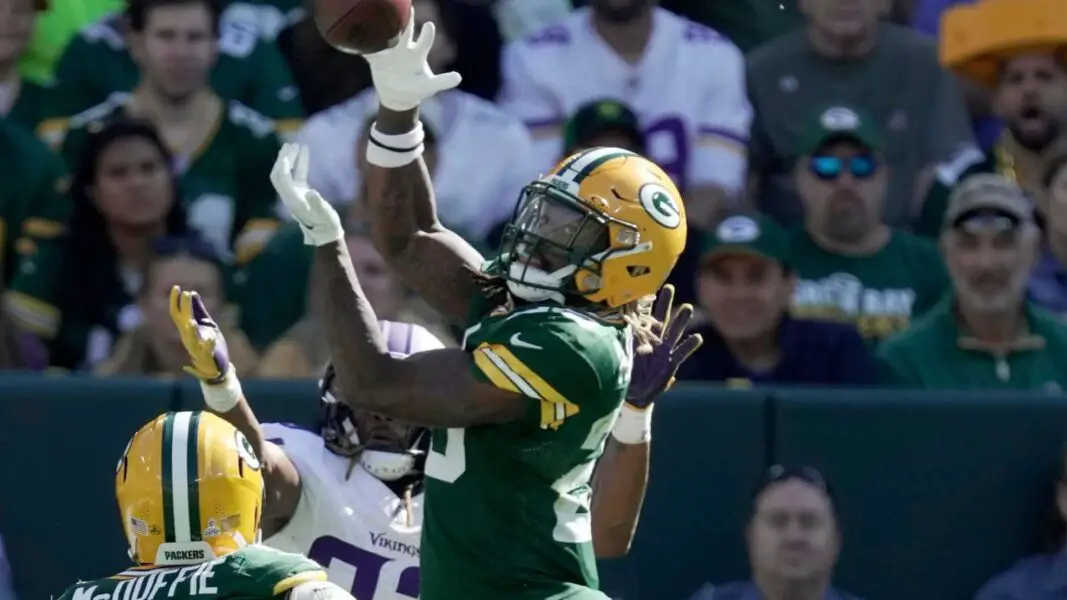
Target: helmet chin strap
[
  {"x": 529, "y": 274},
  {"x": 387, "y": 466}
]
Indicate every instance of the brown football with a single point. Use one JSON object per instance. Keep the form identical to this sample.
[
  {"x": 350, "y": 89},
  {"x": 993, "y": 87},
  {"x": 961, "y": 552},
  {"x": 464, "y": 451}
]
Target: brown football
[{"x": 361, "y": 26}]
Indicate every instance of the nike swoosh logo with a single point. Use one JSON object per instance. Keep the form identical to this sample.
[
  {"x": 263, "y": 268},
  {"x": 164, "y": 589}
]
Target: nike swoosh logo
[{"x": 515, "y": 341}]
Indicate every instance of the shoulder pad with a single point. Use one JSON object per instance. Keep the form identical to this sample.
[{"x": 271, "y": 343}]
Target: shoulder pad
[
  {"x": 250, "y": 119},
  {"x": 101, "y": 111},
  {"x": 105, "y": 30}
]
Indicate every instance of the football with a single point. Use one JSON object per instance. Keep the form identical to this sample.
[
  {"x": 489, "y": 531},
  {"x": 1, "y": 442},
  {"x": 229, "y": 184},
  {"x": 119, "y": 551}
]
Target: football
[{"x": 361, "y": 26}]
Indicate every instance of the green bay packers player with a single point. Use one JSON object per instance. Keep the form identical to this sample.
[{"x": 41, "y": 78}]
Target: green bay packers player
[
  {"x": 547, "y": 381},
  {"x": 190, "y": 495}
]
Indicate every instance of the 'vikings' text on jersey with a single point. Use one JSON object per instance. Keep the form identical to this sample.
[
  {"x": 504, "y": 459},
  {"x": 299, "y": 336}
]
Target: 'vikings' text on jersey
[{"x": 354, "y": 526}]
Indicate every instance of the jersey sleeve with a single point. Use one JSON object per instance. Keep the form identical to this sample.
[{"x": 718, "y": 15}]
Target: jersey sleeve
[
  {"x": 264, "y": 572},
  {"x": 274, "y": 93},
  {"x": 558, "y": 361},
  {"x": 720, "y": 151},
  {"x": 256, "y": 218},
  {"x": 30, "y": 296}
]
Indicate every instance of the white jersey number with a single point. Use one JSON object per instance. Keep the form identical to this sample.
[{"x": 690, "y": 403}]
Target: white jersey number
[{"x": 573, "y": 523}]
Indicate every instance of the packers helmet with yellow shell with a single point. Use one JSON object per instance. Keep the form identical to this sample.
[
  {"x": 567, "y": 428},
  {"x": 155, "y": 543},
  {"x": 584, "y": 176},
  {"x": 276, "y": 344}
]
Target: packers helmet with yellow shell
[
  {"x": 189, "y": 489},
  {"x": 604, "y": 228}
]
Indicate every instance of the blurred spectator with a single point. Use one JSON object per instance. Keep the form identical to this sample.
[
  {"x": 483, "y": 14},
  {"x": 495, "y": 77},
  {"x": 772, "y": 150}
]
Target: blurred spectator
[
  {"x": 223, "y": 150},
  {"x": 323, "y": 75},
  {"x": 984, "y": 335},
  {"x": 520, "y": 18},
  {"x": 7, "y": 588},
  {"x": 1041, "y": 576},
  {"x": 604, "y": 123},
  {"x": 1028, "y": 80},
  {"x": 58, "y": 23},
  {"x": 154, "y": 346},
  {"x": 34, "y": 211},
  {"x": 748, "y": 23},
  {"x": 124, "y": 195},
  {"x": 1048, "y": 282},
  {"x": 684, "y": 81},
  {"x": 302, "y": 351},
  {"x": 104, "y": 59},
  {"x": 744, "y": 286},
  {"x": 851, "y": 265},
  {"x": 849, "y": 57},
  {"x": 474, "y": 137},
  {"x": 266, "y": 17},
  {"x": 793, "y": 540},
  {"x": 22, "y": 100}
]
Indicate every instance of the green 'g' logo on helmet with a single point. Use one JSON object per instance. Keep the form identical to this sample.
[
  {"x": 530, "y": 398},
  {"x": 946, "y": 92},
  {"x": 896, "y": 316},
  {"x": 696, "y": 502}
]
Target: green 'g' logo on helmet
[
  {"x": 246, "y": 452},
  {"x": 660, "y": 204}
]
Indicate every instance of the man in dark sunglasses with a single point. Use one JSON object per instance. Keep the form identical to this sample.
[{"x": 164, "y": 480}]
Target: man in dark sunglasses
[{"x": 850, "y": 264}]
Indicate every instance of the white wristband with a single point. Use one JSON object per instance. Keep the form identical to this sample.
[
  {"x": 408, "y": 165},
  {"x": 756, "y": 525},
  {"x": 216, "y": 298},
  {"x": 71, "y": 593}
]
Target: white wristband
[
  {"x": 633, "y": 426},
  {"x": 392, "y": 151},
  {"x": 222, "y": 397}
]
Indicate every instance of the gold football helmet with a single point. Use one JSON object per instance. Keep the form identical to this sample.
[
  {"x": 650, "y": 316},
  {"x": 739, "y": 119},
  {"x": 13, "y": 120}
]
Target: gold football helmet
[
  {"x": 189, "y": 489},
  {"x": 605, "y": 226}
]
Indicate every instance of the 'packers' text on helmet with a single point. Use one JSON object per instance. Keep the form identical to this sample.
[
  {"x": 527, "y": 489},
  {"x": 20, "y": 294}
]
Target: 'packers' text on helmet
[
  {"x": 189, "y": 489},
  {"x": 606, "y": 225}
]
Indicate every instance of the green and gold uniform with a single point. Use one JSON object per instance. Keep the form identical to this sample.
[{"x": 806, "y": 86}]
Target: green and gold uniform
[
  {"x": 507, "y": 506},
  {"x": 35, "y": 105},
  {"x": 251, "y": 573},
  {"x": 250, "y": 70},
  {"x": 34, "y": 211},
  {"x": 224, "y": 183}
]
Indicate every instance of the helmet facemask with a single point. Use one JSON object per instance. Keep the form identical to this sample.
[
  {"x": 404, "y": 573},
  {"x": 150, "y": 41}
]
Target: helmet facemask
[
  {"x": 554, "y": 242},
  {"x": 387, "y": 449}
]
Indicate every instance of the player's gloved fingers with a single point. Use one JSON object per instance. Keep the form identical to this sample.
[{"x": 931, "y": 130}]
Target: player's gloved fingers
[
  {"x": 409, "y": 30},
  {"x": 445, "y": 81},
  {"x": 661, "y": 310},
  {"x": 300, "y": 169},
  {"x": 686, "y": 349},
  {"x": 678, "y": 324},
  {"x": 422, "y": 46},
  {"x": 281, "y": 172},
  {"x": 317, "y": 203},
  {"x": 175, "y": 306},
  {"x": 200, "y": 314}
]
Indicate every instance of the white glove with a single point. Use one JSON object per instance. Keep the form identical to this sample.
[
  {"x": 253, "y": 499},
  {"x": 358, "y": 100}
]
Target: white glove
[
  {"x": 402, "y": 77},
  {"x": 317, "y": 219}
]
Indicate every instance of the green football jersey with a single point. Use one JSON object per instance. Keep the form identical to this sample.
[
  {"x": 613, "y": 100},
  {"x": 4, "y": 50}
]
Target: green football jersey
[
  {"x": 880, "y": 293},
  {"x": 225, "y": 183},
  {"x": 34, "y": 211},
  {"x": 249, "y": 69},
  {"x": 507, "y": 506},
  {"x": 251, "y": 573},
  {"x": 36, "y": 106}
]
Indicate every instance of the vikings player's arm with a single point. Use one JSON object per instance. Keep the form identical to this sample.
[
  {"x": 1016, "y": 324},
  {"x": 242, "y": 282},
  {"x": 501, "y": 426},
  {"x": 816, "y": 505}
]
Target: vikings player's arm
[
  {"x": 432, "y": 260},
  {"x": 210, "y": 363}
]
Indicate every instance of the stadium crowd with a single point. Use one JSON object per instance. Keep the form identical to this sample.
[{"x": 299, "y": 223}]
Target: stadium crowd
[{"x": 876, "y": 189}]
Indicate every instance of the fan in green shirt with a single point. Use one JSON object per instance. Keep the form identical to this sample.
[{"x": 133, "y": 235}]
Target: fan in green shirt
[
  {"x": 103, "y": 59},
  {"x": 223, "y": 150},
  {"x": 985, "y": 334},
  {"x": 34, "y": 210},
  {"x": 22, "y": 99},
  {"x": 850, "y": 265}
]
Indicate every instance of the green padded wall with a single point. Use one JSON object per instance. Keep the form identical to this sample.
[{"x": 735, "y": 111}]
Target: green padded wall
[{"x": 937, "y": 492}]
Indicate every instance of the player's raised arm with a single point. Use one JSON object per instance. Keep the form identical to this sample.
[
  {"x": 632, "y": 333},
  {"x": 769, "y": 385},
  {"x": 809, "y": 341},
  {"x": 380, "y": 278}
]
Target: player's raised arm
[
  {"x": 210, "y": 363},
  {"x": 432, "y": 260},
  {"x": 622, "y": 473}
]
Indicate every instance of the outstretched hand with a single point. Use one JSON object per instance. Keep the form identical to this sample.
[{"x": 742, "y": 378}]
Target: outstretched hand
[
  {"x": 201, "y": 336},
  {"x": 402, "y": 75},
  {"x": 653, "y": 373},
  {"x": 318, "y": 221}
]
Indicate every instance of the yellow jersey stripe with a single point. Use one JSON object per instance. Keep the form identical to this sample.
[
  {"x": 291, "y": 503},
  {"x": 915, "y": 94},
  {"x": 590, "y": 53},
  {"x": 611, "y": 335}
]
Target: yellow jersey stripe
[
  {"x": 554, "y": 407},
  {"x": 294, "y": 580},
  {"x": 494, "y": 370}
]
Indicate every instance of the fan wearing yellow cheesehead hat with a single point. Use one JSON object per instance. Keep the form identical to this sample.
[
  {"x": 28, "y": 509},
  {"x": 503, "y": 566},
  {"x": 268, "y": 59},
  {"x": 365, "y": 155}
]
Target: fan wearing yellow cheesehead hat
[
  {"x": 190, "y": 495},
  {"x": 1016, "y": 49}
]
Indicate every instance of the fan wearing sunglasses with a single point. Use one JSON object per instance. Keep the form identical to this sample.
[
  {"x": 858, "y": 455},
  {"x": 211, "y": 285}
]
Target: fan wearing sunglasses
[{"x": 851, "y": 266}]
